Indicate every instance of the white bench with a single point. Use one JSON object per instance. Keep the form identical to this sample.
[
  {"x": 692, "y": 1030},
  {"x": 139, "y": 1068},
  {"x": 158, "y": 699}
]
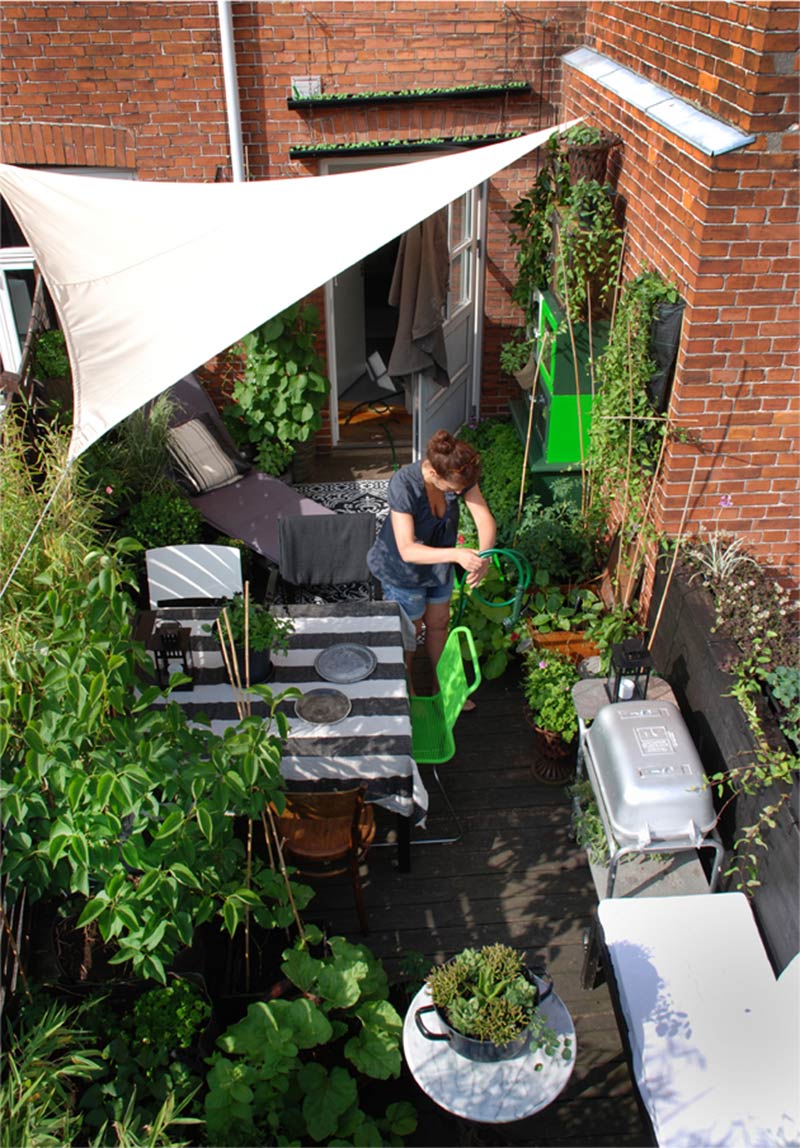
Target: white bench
[{"x": 714, "y": 1036}]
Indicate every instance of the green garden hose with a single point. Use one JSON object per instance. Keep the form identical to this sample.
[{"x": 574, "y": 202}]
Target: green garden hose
[{"x": 524, "y": 575}]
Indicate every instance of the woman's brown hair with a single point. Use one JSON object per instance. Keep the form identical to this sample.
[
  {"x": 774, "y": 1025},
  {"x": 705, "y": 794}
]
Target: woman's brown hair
[{"x": 453, "y": 460}]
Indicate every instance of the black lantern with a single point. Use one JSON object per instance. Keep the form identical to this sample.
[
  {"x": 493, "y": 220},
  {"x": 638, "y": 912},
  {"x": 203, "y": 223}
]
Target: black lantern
[
  {"x": 171, "y": 644},
  {"x": 629, "y": 670}
]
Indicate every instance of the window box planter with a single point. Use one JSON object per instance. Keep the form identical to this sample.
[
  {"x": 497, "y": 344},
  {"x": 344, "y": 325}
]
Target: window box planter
[
  {"x": 459, "y": 92},
  {"x": 374, "y": 147}
]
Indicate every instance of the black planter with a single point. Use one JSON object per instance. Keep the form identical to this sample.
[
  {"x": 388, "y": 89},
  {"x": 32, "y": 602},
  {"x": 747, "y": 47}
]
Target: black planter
[
  {"x": 261, "y": 667},
  {"x": 665, "y": 335}
]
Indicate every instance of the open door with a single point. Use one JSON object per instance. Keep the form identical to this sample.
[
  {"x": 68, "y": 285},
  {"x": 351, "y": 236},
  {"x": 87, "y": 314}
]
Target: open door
[
  {"x": 361, "y": 322},
  {"x": 448, "y": 408}
]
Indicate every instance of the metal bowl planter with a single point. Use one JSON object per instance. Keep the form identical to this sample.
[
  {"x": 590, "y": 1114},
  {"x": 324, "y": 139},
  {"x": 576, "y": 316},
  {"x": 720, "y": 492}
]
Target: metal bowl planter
[{"x": 531, "y": 1023}]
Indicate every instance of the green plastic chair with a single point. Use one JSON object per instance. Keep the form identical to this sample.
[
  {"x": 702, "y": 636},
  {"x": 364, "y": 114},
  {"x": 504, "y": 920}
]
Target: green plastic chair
[{"x": 433, "y": 718}]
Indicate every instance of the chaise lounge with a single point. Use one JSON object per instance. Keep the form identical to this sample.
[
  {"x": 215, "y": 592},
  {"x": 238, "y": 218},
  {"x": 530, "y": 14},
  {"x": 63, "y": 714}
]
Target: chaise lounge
[{"x": 233, "y": 497}]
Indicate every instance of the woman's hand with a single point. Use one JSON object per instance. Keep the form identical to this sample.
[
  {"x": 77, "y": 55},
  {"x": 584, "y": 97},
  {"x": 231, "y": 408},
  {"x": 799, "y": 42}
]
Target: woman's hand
[{"x": 474, "y": 565}]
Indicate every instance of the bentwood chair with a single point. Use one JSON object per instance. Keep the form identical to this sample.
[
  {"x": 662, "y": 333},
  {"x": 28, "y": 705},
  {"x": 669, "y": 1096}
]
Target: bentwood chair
[
  {"x": 433, "y": 717},
  {"x": 194, "y": 573},
  {"x": 326, "y": 833}
]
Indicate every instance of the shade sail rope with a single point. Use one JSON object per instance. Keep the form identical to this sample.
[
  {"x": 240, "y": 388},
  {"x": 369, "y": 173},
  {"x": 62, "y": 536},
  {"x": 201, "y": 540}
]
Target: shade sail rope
[{"x": 35, "y": 531}]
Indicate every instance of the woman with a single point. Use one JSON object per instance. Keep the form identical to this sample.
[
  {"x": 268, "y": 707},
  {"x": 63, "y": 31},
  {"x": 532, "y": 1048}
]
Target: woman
[{"x": 414, "y": 553}]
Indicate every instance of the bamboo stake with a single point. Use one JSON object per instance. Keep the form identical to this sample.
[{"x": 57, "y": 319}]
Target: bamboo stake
[
  {"x": 282, "y": 867},
  {"x": 678, "y": 541},
  {"x": 571, "y": 330},
  {"x": 526, "y": 452},
  {"x": 231, "y": 668},
  {"x": 646, "y": 516},
  {"x": 618, "y": 282},
  {"x": 247, "y": 635},
  {"x": 247, "y": 907}
]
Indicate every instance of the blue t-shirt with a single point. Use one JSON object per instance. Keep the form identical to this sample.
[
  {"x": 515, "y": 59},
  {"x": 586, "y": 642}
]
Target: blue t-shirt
[{"x": 407, "y": 494}]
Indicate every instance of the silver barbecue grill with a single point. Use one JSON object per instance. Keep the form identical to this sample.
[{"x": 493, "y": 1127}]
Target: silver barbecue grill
[{"x": 649, "y": 783}]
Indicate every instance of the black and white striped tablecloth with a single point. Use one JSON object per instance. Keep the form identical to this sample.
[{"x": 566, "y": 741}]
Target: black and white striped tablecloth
[{"x": 372, "y": 744}]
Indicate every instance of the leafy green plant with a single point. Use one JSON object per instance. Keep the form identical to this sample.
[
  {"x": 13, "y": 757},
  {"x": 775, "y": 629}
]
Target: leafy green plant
[
  {"x": 130, "y": 462},
  {"x": 552, "y": 609},
  {"x": 283, "y": 1074},
  {"x": 122, "y": 807},
  {"x": 43, "y": 1063},
  {"x": 588, "y": 247},
  {"x": 280, "y": 399},
  {"x": 626, "y": 434},
  {"x": 531, "y": 232},
  {"x": 783, "y": 683},
  {"x": 148, "y": 1056},
  {"x": 501, "y": 452},
  {"x": 547, "y": 684},
  {"x": 50, "y": 358},
  {"x": 164, "y": 518},
  {"x": 40, "y": 550},
  {"x": 608, "y": 627},
  {"x": 486, "y": 994},
  {"x": 582, "y": 135},
  {"x": 265, "y": 631},
  {"x": 587, "y": 823},
  {"x": 495, "y": 638}
]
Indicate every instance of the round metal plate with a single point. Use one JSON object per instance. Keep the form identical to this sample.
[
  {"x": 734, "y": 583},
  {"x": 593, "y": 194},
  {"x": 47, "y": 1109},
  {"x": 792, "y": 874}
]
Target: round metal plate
[
  {"x": 324, "y": 706},
  {"x": 345, "y": 662}
]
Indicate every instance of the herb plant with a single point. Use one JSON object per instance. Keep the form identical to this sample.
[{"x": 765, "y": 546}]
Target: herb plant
[
  {"x": 265, "y": 631},
  {"x": 547, "y": 688}
]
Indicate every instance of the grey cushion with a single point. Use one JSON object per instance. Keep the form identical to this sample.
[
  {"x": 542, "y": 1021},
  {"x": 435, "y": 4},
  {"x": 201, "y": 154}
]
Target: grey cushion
[{"x": 200, "y": 458}]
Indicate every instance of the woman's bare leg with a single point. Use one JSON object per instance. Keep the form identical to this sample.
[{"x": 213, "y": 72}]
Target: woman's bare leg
[
  {"x": 437, "y": 623},
  {"x": 410, "y": 655}
]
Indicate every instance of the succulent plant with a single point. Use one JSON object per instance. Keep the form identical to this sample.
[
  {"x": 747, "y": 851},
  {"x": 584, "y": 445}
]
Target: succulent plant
[{"x": 487, "y": 994}]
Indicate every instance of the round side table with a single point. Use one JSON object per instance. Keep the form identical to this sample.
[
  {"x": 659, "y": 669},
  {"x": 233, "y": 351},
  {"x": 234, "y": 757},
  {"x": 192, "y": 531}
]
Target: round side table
[{"x": 489, "y": 1093}]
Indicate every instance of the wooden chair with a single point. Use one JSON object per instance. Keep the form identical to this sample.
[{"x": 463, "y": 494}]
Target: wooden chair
[
  {"x": 326, "y": 833},
  {"x": 433, "y": 717}
]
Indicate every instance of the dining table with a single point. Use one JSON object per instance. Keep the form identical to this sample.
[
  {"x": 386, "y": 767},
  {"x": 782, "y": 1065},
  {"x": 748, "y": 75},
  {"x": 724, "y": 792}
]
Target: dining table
[{"x": 371, "y": 742}]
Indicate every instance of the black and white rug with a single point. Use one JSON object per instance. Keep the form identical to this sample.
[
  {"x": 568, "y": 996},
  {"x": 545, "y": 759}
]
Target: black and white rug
[
  {"x": 367, "y": 495},
  {"x": 361, "y": 496}
]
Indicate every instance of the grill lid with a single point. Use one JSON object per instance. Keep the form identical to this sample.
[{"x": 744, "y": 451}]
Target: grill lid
[{"x": 648, "y": 774}]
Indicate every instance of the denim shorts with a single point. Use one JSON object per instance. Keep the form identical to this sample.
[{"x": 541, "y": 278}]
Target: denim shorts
[{"x": 415, "y": 599}]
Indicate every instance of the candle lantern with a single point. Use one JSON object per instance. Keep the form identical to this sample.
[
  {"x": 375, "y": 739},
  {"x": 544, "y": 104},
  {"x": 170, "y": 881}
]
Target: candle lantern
[
  {"x": 629, "y": 670},
  {"x": 171, "y": 645}
]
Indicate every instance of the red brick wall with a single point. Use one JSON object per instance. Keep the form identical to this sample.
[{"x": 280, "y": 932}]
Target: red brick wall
[
  {"x": 724, "y": 229},
  {"x": 140, "y": 86},
  {"x": 147, "y": 76}
]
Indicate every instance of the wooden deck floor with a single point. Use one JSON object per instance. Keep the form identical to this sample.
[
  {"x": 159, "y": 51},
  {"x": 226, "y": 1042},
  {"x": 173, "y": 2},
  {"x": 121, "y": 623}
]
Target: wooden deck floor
[{"x": 517, "y": 877}]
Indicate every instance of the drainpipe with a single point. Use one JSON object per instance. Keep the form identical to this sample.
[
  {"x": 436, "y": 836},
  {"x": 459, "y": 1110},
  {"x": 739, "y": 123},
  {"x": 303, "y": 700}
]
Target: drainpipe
[{"x": 231, "y": 89}]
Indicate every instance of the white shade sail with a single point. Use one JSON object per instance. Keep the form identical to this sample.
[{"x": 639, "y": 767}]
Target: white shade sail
[{"x": 150, "y": 280}]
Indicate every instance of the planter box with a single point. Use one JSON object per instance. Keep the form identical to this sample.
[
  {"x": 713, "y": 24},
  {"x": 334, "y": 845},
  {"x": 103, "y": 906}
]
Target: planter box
[
  {"x": 348, "y": 99},
  {"x": 572, "y": 644},
  {"x": 695, "y": 662},
  {"x": 370, "y": 147}
]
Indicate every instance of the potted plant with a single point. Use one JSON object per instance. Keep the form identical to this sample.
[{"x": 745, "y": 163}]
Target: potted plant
[
  {"x": 276, "y": 406},
  {"x": 261, "y": 630},
  {"x": 587, "y": 250},
  {"x": 547, "y": 683},
  {"x": 584, "y": 150},
  {"x": 488, "y": 1003}
]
